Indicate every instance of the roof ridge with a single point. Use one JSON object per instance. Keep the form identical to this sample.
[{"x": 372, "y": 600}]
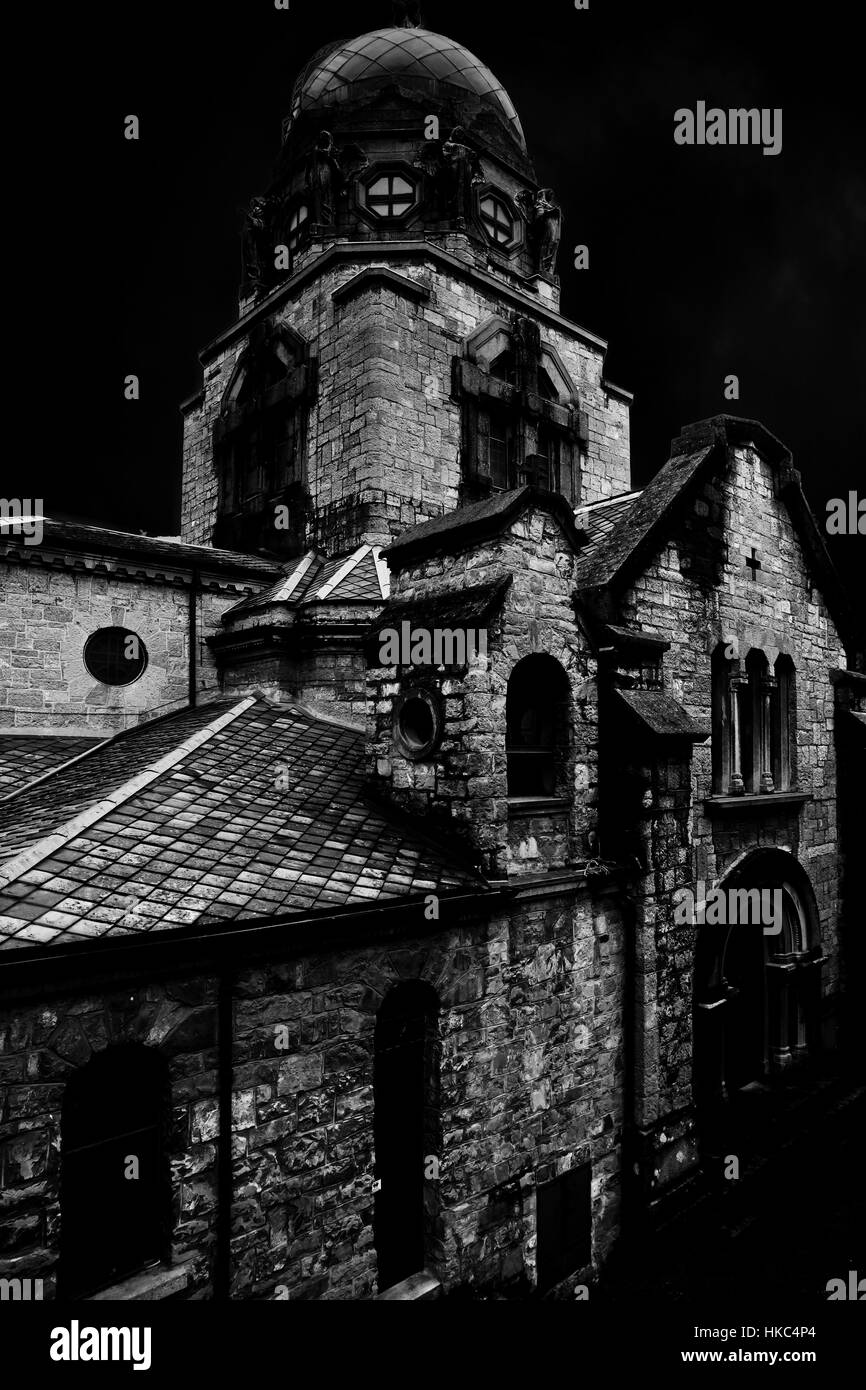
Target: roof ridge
[{"x": 57, "y": 839}]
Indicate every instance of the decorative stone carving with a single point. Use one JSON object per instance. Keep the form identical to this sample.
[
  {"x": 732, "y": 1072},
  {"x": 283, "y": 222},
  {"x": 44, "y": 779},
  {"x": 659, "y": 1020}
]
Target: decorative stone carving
[
  {"x": 324, "y": 178},
  {"x": 258, "y": 244},
  {"x": 543, "y": 217},
  {"x": 461, "y": 172}
]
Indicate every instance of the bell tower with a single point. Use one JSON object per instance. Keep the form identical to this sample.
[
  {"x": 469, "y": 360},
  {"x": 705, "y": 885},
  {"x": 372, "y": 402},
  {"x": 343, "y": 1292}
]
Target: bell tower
[{"x": 403, "y": 237}]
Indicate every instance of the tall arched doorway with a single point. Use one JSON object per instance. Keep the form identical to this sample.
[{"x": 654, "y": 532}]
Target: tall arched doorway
[
  {"x": 757, "y": 993},
  {"x": 406, "y": 1127}
]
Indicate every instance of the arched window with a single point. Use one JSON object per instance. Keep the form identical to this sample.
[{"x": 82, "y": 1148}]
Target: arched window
[
  {"x": 406, "y": 1129},
  {"x": 784, "y": 725},
  {"x": 754, "y": 724},
  {"x": 115, "y": 1194},
  {"x": 259, "y": 442},
  {"x": 537, "y": 728},
  {"x": 521, "y": 416},
  {"x": 757, "y": 988}
]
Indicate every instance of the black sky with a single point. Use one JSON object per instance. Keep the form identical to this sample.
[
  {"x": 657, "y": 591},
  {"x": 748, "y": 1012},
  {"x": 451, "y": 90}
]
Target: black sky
[{"x": 703, "y": 262}]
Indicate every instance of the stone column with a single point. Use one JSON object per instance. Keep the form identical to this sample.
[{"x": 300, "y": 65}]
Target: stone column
[
  {"x": 767, "y": 687},
  {"x": 736, "y": 786},
  {"x": 782, "y": 1010}
]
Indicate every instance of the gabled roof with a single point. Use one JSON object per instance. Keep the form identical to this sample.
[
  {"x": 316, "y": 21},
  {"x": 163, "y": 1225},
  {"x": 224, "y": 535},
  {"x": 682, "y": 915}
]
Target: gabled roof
[
  {"x": 618, "y": 555},
  {"x": 615, "y": 548},
  {"x": 261, "y": 810},
  {"x": 457, "y": 529},
  {"x": 357, "y": 576}
]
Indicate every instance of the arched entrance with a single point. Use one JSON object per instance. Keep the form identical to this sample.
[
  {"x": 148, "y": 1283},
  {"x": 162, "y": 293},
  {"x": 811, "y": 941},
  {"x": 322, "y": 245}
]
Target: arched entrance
[
  {"x": 406, "y": 1122},
  {"x": 757, "y": 992}
]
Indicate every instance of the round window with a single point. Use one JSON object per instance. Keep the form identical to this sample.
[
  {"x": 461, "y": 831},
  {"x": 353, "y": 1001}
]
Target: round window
[
  {"x": 417, "y": 725},
  {"x": 115, "y": 656}
]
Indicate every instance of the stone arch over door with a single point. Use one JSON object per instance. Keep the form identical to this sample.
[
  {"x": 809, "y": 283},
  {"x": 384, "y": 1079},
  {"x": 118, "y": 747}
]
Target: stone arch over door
[{"x": 757, "y": 995}]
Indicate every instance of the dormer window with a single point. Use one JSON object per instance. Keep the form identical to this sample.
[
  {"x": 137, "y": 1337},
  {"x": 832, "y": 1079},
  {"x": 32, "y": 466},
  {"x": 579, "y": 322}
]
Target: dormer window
[
  {"x": 497, "y": 219},
  {"x": 390, "y": 195}
]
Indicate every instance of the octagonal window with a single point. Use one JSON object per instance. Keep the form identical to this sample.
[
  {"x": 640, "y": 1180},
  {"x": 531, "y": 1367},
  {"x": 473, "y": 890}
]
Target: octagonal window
[
  {"x": 390, "y": 195},
  {"x": 497, "y": 219}
]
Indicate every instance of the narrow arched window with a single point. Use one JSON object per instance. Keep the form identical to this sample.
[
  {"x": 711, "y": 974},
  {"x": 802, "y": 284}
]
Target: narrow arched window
[
  {"x": 406, "y": 1129},
  {"x": 784, "y": 725},
  {"x": 115, "y": 1194},
  {"x": 537, "y": 728}
]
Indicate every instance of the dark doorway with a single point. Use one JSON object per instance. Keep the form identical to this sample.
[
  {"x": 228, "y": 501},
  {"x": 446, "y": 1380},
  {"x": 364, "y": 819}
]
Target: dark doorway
[
  {"x": 115, "y": 1213},
  {"x": 746, "y": 1031},
  {"x": 564, "y": 1217},
  {"x": 405, "y": 1126}
]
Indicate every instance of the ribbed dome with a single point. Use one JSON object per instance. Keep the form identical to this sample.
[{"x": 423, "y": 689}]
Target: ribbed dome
[{"x": 409, "y": 53}]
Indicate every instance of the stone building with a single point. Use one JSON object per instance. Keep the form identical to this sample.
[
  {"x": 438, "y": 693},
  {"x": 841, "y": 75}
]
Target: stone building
[{"x": 333, "y": 969}]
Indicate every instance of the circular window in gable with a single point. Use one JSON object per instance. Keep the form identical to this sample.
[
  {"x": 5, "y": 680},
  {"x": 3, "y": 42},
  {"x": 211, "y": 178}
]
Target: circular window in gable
[
  {"x": 115, "y": 656},
  {"x": 418, "y": 724}
]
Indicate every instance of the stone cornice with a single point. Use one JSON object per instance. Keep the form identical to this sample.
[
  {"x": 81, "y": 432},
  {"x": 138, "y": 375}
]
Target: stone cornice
[
  {"x": 167, "y": 576},
  {"x": 385, "y": 250}
]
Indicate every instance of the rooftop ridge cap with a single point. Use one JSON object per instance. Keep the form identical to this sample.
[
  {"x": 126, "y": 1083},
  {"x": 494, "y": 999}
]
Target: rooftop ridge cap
[{"x": 348, "y": 565}]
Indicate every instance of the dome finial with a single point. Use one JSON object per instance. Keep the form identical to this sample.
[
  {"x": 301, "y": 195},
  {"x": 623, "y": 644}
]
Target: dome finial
[{"x": 407, "y": 16}]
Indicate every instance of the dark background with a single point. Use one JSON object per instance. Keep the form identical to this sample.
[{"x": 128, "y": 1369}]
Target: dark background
[{"x": 703, "y": 261}]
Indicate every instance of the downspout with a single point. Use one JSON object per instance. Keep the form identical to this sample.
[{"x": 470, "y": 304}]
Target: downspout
[{"x": 192, "y": 630}]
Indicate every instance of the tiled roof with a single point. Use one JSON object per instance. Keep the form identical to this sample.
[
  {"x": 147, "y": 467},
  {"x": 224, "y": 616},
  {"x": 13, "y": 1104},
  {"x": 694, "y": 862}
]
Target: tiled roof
[
  {"x": 602, "y": 519},
  {"x": 24, "y": 757},
  {"x": 44, "y": 808},
  {"x": 357, "y": 576},
  {"x": 267, "y": 815},
  {"x": 480, "y": 518},
  {"x": 610, "y": 549},
  {"x": 662, "y": 715},
  {"x": 72, "y": 536}
]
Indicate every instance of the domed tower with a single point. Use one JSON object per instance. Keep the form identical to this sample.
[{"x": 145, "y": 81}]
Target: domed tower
[{"x": 399, "y": 350}]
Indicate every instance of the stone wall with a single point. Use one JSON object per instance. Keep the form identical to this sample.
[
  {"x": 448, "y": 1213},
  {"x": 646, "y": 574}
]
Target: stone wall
[
  {"x": 531, "y": 1067},
  {"x": 695, "y": 593},
  {"x": 40, "y": 1047},
  {"x": 48, "y": 614},
  {"x": 464, "y": 781},
  {"x": 384, "y": 432}
]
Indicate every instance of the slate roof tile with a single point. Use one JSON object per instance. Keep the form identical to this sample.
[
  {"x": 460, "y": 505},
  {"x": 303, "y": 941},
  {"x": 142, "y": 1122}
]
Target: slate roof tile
[
  {"x": 599, "y": 563},
  {"x": 23, "y": 758},
  {"x": 214, "y": 838}
]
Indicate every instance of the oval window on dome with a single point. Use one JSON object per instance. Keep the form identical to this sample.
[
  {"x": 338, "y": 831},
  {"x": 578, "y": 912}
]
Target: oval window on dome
[
  {"x": 497, "y": 219},
  {"x": 115, "y": 656},
  {"x": 390, "y": 195}
]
